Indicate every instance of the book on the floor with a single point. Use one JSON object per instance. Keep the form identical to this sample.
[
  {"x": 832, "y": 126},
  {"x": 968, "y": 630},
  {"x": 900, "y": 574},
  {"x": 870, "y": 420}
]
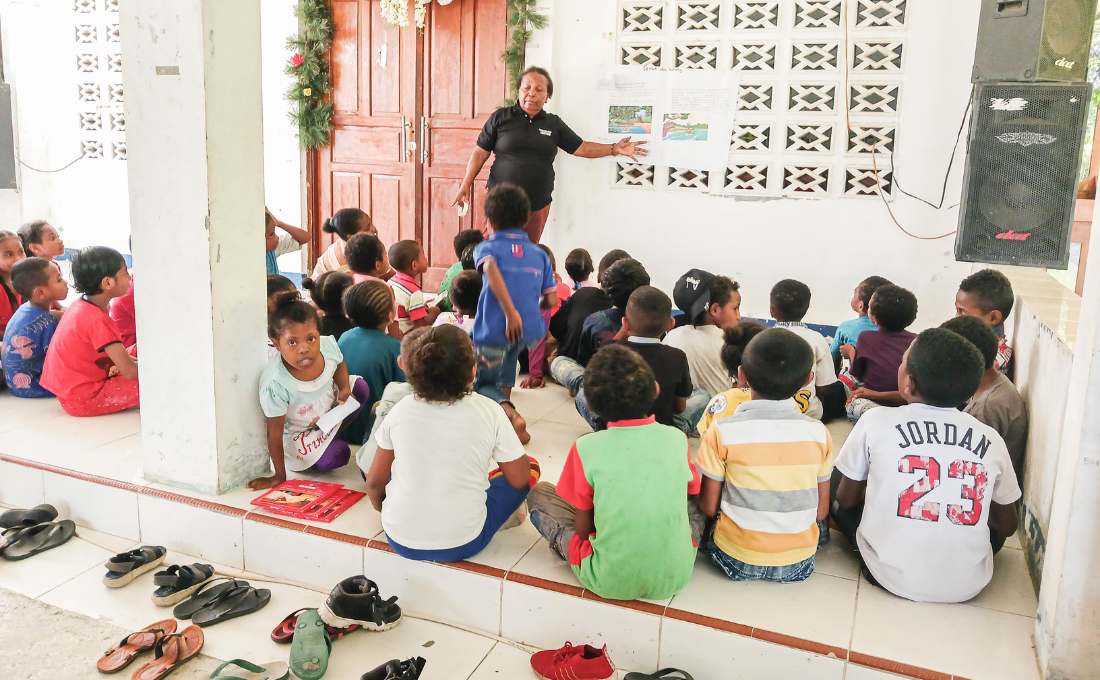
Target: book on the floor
[
  {"x": 294, "y": 497},
  {"x": 332, "y": 507}
]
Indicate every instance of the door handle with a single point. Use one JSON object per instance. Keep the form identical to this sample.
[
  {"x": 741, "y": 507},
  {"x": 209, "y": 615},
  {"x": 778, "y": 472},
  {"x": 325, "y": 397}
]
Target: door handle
[
  {"x": 424, "y": 140},
  {"x": 405, "y": 124}
]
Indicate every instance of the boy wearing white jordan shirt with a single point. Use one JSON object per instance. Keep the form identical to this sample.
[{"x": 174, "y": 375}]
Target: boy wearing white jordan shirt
[{"x": 937, "y": 480}]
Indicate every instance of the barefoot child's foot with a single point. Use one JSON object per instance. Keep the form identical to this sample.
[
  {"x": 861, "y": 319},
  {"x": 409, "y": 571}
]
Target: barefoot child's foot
[
  {"x": 518, "y": 423},
  {"x": 532, "y": 383}
]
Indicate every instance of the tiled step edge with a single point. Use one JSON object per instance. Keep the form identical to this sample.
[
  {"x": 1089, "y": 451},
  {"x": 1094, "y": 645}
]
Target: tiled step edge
[{"x": 566, "y": 589}]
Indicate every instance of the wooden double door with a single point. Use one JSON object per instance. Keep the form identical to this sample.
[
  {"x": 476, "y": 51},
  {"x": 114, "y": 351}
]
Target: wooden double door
[{"x": 408, "y": 110}]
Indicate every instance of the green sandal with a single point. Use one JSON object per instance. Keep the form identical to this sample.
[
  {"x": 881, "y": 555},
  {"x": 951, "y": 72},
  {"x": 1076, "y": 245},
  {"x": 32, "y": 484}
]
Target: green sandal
[
  {"x": 242, "y": 670},
  {"x": 310, "y": 649}
]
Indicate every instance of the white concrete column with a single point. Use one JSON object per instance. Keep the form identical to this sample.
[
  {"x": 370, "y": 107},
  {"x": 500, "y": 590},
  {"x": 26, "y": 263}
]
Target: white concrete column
[
  {"x": 194, "y": 129},
  {"x": 1067, "y": 628}
]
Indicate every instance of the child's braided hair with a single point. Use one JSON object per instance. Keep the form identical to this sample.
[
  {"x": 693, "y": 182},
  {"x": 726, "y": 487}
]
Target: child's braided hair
[{"x": 368, "y": 304}]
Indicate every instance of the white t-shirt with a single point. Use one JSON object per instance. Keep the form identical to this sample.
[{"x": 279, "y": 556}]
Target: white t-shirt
[
  {"x": 931, "y": 474},
  {"x": 824, "y": 369},
  {"x": 466, "y": 323},
  {"x": 703, "y": 347},
  {"x": 442, "y": 455},
  {"x": 287, "y": 244},
  {"x": 302, "y": 403}
]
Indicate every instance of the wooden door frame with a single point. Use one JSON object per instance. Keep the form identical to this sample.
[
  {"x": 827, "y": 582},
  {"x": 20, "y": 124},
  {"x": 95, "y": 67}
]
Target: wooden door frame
[
  {"x": 313, "y": 167},
  {"x": 313, "y": 206}
]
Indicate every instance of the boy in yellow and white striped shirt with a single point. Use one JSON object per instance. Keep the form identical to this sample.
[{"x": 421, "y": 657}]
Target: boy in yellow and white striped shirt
[{"x": 766, "y": 469}]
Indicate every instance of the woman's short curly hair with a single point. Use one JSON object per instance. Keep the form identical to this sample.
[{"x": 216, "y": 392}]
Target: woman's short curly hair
[
  {"x": 619, "y": 384},
  {"x": 439, "y": 363}
]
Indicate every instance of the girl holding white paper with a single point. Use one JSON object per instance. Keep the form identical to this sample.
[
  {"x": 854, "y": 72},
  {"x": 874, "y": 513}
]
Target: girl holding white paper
[{"x": 306, "y": 394}]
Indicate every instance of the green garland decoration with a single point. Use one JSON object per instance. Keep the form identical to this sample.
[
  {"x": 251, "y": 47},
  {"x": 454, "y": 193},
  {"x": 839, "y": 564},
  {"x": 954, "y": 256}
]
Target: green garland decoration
[
  {"x": 523, "y": 19},
  {"x": 310, "y": 71}
]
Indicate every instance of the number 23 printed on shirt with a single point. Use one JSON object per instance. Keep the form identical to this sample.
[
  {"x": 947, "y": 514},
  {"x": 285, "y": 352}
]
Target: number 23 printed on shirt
[{"x": 909, "y": 504}]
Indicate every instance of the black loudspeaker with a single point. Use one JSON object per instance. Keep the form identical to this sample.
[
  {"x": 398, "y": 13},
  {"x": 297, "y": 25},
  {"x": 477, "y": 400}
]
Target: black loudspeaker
[
  {"x": 1020, "y": 187},
  {"x": 1034, "y": 40}
]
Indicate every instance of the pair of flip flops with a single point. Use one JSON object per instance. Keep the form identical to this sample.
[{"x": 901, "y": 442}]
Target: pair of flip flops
[
  {"x": 171, "y": 650},
  {"x": 663, "y": 674},
  {"x": 123, "y": 568},
  {"x": 21, "y": 542},
  {"x": 222, "y": 600},
  {"x": 177, "y": 583},
  {"x": 284, "y": 632},
  {"x": 239, "y": 669}
]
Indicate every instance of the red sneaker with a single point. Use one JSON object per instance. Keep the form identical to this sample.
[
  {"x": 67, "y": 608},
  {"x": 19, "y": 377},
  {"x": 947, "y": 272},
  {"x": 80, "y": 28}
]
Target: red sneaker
[{"x": 573, "y": 663}]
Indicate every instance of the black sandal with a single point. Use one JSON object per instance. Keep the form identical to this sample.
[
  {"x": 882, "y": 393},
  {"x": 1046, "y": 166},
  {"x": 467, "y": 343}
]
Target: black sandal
[
  {"x": 177, "y": 583},
  {"x": 663, "y": 674},
  {"x": 39, "y": 514},
  {"x": 30, "y": 541},
  {"x": 212, "y": 590},
  {"x": 397, "y": 670},
  {"x": 236, "y": 602},
  {"x": 123, "y": 568}
]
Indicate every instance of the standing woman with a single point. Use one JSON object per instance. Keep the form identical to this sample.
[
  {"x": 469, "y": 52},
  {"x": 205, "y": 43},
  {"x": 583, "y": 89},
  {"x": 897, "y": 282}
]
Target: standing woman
[{"x": 526, "y": 139}]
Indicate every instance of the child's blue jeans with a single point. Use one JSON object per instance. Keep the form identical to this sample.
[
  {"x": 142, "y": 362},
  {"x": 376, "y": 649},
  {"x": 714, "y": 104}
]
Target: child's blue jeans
[
  {"x": 501, "y": 501},
  {"x": 568, "y": 373},
  {"x": 496, "y": 368},
  {"x": 740, "y": 571}
]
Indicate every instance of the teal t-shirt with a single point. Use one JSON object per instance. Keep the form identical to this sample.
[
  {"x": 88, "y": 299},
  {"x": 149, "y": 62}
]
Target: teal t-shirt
[
  {"x": 445, "y": 287},
  {"x": 371, "y": 355},
  {"x": 635, "y": 476},
  {"x": 848, "y": 332}
]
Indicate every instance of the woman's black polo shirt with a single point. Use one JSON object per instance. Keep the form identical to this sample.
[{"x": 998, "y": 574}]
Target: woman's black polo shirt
[{"x": 525, "y": 149}]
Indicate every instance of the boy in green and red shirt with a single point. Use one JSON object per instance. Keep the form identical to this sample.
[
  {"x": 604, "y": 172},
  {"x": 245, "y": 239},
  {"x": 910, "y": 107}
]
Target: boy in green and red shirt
[{"x": 633, "y": 481}]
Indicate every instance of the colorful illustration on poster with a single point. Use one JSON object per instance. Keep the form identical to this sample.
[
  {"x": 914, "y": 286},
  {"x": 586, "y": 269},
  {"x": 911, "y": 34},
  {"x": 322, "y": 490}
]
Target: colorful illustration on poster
[
  {"x": 685, "y": 127},
  {"x": 630, "y": 120}
]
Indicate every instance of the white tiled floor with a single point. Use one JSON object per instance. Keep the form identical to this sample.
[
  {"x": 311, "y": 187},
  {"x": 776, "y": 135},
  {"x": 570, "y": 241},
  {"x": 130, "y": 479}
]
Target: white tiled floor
[
  {"x": 989, "y": 637},
  {"x": 70, "y": 576}
]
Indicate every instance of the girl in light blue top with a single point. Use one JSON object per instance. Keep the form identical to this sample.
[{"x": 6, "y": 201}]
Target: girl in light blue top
[{"x": 304, "y": 381}]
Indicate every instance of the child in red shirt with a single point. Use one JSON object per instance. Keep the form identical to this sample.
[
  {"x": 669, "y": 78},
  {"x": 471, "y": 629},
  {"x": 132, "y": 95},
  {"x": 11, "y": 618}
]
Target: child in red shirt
[
  {"x": 87, "y": 366},
  {"x": 11, "y": 251}
]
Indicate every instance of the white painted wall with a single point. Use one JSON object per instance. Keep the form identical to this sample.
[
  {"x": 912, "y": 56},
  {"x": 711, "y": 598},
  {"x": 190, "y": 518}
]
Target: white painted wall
[
  {"x": 283, "y": 170},
  {"x": 1067, "y": 628},
  {"x": 196, "y": 173},
  {"x": 88, "y": 201},
  {"x": 829, "y": 244},
  {"x": 1043, "y": 367}
]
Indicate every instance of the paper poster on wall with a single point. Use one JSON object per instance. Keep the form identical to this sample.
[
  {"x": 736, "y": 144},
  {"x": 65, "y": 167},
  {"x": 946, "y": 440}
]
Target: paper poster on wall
[{"x": 685, "y": 116}]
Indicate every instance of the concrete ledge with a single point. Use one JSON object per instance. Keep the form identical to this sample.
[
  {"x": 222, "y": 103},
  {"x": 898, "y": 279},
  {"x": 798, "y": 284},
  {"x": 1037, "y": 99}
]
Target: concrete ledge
[{"x": 640, "y": 635}]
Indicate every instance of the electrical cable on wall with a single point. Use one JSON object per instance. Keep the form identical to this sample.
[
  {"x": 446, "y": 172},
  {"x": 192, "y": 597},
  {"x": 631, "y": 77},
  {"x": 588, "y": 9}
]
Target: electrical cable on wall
[
  {"x": 946, "y": 178},
  {"x": 950, "y": 164},
  {"x": 29, "y": 167}
]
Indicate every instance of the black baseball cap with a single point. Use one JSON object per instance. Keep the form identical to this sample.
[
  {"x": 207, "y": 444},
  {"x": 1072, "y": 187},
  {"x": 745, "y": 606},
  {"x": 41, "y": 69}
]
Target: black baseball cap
[{"x": 692, "y": 293}]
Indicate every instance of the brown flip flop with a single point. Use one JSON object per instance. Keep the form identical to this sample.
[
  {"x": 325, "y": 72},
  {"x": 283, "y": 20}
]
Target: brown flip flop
[
  {"x": 114, "y": 660},
  {"x": 171, "y": 652}
]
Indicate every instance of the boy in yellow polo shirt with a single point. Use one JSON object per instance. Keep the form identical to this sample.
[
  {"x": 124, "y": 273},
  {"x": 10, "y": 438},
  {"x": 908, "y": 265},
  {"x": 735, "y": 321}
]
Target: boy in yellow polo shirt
[{"x": 766, "y": 469}]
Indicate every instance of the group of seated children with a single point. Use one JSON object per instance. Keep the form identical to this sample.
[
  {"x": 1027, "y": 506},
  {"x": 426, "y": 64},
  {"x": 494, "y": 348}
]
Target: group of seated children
[
  {"x": 76, "y": 354},
  {"x": 352, "y": 348},
  {"x": 927, "y": 479},
  {"x": 761, "y": 507}
]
